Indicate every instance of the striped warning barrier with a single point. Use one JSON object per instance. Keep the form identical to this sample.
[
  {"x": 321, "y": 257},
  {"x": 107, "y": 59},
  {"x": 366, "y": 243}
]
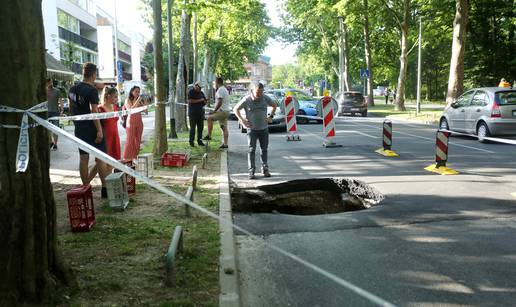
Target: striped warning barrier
[
  {"x": 387, "y": 140},
  {"x": 290, "y": 105},
  {"x": 329, "y": 109},
  {"x": 441, "y": 155}
]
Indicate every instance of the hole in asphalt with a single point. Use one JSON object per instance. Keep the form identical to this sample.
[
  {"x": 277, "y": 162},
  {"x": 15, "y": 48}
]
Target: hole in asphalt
[{"x": 306, "y": 197}]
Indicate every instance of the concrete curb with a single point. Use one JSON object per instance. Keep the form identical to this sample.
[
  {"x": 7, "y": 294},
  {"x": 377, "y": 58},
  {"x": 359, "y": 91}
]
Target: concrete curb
[{"x": 228, "y": 273}]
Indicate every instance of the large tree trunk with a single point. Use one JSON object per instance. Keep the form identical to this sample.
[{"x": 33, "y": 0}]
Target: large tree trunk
[
  {"x": 160, "y": 128},
  {"x": 343, "y": 57},
  {"x": 195, "y": 51},
  {"x": 207, "y": 73},
  {"x": 369, "y": 61},
  {"x": 31, "y": 267},
  {"x": 171, "y": 85},
  {"x": 456, "y": 77},
  {"x": 182, "y": 71},
  {"x": 402, "y": 78}
]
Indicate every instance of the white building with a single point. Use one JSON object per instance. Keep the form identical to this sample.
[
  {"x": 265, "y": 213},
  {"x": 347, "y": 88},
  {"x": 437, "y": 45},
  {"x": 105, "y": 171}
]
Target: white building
[{"x": 78, "y": 31}]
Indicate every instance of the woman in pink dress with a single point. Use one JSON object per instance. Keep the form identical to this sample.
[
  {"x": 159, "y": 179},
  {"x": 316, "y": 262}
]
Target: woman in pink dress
[{"x": 134, "y": 126}]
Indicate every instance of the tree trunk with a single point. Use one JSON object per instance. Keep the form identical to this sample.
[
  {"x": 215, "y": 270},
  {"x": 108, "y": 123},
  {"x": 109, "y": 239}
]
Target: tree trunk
[
  {"x": 31, "y": 267},
  {"x": 160, "y": 127},
  {"x": 402, "y": 78},
  {"x": 206, "y": 71},
  {"x": 343, "y": 57},
  {"x": 369, "y": 61},
  {"x": 171, "y": 85},
  {"x": 456, "y": 77},
  {"x": 182, "y": 71},
  {"x": 195, "y": 51}
]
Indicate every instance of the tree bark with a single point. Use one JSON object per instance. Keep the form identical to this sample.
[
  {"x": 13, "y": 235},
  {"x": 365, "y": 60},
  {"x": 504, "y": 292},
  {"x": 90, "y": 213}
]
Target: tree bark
[
  {"x": 343, "y": 57},
  {"x": 171, "y": 85},
  {"x": 31, "y": 267},
  {"x": 368, "y": 58},
  {"x": 402, "y": 78},
  {"x": 195, "y": 51},
  {"x": 456, "y": 77},
  {"x": 160, "y": 128},
  {"x": 182, "y": 71}
]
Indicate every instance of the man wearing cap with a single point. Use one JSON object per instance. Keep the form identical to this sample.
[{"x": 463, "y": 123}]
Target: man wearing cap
[{"x": 196, "y": 102}]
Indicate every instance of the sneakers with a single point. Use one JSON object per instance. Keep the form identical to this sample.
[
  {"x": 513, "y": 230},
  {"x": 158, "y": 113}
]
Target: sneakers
[
  {"x": 192, "y": 144},
  {"x": 223, "y": 146},
  {"x": 103, "y": 192},
  {"x": 53, "y": 146},
  {"x": 266, "y": 173},
  {"x": 251, "y": 175},
  {"x": 207, "y": 138},
  {"x": 199, "y": 142}
]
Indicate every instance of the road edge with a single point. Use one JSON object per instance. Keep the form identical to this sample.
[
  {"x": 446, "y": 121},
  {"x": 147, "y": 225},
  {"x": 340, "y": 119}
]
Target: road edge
[{"x": 228, "y": 272}]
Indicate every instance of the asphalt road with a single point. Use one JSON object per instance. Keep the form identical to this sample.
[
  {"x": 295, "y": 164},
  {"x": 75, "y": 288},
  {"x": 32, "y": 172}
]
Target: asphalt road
[{"x": 434, "y": 241}]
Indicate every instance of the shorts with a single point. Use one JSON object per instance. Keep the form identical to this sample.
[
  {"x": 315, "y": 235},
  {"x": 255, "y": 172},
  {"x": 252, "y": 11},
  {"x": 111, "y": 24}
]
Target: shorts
[
  {"x": 221, "y": 117},
  {"x": 86, "y": 131}
]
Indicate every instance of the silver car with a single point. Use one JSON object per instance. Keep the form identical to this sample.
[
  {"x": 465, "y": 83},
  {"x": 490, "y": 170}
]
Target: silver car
[{"x": 487, "y": 111}]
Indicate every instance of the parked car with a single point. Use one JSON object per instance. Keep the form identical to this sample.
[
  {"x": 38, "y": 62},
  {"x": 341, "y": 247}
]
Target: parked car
[
  {"x": 233, "y": 100},
  {"x": 278, "y": 121},
  {"x": 307, "y": 104},
  {"x": 487, "y": 111},
  {"x": 351, "y": 103}
]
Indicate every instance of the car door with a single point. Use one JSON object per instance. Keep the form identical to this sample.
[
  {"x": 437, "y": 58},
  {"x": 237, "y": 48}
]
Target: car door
[
  {"x": 457, "y": 114},
  {"x": 475, "y": 110}
]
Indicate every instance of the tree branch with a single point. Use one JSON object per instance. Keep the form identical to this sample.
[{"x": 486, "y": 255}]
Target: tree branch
[
  {"x": 396, "y": 16},
  {"x": 414, "y": 46}
]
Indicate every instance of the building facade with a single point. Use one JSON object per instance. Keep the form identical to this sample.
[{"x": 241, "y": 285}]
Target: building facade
[
  {"x": 259, "y": 71},
  {"x": 78, "y": 31}
]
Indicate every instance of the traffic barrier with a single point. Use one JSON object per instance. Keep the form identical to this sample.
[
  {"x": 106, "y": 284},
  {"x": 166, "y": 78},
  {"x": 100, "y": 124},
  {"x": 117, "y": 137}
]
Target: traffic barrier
[
  {"x": 441, "y": 155},
  {"x": 387, "y": 140},
  {"x": 116, "y": 186},
  {"x": 328, "y": 107},
  {"x": 80, "y": 208},
  {"x": 291, "y": 107},
  {"x": 176, "y": 246}
]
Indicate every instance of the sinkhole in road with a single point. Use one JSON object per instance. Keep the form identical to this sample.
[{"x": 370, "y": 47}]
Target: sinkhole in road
[{"x": 306, "y": 197}]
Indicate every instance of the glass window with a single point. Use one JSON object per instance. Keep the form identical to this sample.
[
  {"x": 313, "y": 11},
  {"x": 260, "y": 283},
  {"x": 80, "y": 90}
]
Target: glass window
[
  {"x": 480, "y": 99},
  {"x": 124, "y": 47},
  {"x": 465, "y": 99},
  {"x": 505, "y": 98},
  {"x": 67, "y": 22}
]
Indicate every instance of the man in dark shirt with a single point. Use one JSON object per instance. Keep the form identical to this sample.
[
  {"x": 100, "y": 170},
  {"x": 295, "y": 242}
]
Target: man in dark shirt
[
  {"x": 196, "y": 102},
  {"x": 84, "y": 99}
]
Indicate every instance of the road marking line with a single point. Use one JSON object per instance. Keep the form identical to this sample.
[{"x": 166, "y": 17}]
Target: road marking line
[
  {"x": 513, "y": 194},
  {"x": 358, "y": 132}
]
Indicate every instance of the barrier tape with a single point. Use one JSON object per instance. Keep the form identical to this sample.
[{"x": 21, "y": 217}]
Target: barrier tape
[{"x": 154, "y": 184}]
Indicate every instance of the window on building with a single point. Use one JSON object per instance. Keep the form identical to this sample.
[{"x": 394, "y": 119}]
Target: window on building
[
  {"x": 124, "y": 47},
  {"x": 68, "y": 22},
  {"x": 88, "y": 57}
]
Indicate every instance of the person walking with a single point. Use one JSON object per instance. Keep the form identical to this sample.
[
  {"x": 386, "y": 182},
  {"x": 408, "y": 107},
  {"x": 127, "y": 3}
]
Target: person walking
[
  {"x": 220, "y": 113},
  {"x": 109, "y": 103},
  {"x": 84, "y": 99},
  {"x": 256, "y": 122},
  {"x": 386, "y": 93},
  {"x": 55, "y": 108},
  {"x": 134, "y": 126},
  {"x": 196, "y": 102}
]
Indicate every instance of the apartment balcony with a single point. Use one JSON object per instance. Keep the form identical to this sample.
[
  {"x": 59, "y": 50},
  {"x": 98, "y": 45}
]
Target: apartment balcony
[
  {"x": 127, "y": 76},
  {"x": 124, "y": 56},
  {"x": 77, "y": 39}
]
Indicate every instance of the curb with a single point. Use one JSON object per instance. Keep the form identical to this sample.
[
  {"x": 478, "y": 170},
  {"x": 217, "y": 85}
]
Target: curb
[
  {"x": 425, "y": 122},
  {"x": 228, "y": 273}
]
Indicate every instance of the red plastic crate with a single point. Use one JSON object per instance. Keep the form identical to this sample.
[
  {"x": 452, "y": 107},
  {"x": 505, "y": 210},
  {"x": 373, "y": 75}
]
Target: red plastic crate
[
  {"x": 174, "y": 159},
  {"x": 131, "y": 181},
  {"x": 80, "y": 208}
]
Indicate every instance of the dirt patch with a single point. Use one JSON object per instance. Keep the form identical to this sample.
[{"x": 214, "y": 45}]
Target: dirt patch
[{"x": 306, "y": 197}]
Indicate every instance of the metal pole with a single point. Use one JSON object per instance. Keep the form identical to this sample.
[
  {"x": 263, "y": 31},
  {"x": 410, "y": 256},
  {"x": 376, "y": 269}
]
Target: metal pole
[
  {"x": 195, "y": 51},
  {"x": 341, "y": 55},
  {"x": 171, "y": 91},
  {"x": 118, "y": 72},
  {"x": 418, "y": 108}
]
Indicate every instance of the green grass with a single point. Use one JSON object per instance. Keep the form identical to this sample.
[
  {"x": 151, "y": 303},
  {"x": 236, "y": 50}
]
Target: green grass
[{"x": 426, "y": 115}]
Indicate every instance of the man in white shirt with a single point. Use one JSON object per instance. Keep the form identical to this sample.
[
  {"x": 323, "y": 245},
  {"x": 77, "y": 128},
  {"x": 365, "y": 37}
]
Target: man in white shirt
[{"x": 221, "y": 112}]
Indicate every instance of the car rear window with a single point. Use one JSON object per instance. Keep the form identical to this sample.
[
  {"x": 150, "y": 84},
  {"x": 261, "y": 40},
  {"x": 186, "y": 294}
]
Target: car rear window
[
  {"x": 354, "y": 96},
  {"x": 506, "y": 97}
]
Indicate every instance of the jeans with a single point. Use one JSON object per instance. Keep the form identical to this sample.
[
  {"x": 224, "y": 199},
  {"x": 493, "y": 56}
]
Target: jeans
[
  {"x": 196, "y": 120},
  {"x": 263, "y": 137}
]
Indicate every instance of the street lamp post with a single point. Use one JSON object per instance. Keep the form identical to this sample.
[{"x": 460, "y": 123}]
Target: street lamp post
[{"x": 418, "y": 107}]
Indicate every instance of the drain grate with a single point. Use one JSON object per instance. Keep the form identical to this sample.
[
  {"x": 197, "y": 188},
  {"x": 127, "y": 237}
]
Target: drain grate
[{"x": 306, "y": 197}]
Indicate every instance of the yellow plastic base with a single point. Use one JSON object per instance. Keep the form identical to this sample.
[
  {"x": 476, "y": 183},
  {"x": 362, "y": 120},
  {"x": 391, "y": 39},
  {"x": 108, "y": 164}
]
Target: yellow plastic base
[
  {"x": 387, "y": 152},
  {"x": 443, "y": 170}
]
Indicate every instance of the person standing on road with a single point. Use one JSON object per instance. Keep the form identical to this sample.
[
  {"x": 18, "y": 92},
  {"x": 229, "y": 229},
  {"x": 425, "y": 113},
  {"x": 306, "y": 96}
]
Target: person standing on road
[
  {"x": 386, "y": 93},
  {"x": 55, "y": 108},
  {"x": 256, "y": 121},
  {"x": 221, "y": 112},
  {"x": 84, "y": 99},
  {"x": 134, "y": 126},
  {"x": 196, "y": 102}
]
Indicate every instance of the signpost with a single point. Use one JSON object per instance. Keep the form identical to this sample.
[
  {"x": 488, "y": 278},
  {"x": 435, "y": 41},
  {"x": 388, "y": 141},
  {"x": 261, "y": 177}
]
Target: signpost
[{"x": 364, "y": 75}]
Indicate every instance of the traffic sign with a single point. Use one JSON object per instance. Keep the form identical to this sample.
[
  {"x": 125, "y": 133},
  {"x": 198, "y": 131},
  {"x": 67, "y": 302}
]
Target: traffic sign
[{"x": 364, "y": 73}]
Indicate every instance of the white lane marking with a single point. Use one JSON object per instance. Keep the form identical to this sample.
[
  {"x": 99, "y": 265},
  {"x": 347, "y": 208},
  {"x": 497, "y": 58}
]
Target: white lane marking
[
  {"x": 358, "y": 132},
  {"x": 312, "y": 134},
  {"x": 433, "y": 140}
]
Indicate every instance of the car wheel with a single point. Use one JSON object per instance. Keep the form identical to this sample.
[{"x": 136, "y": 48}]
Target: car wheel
[
  {"x": 483, "y": 132},
  {"x": 364, "y": 113},
  {"x": 443, "y": 124},
  {"x": 301, "y": 120}
]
